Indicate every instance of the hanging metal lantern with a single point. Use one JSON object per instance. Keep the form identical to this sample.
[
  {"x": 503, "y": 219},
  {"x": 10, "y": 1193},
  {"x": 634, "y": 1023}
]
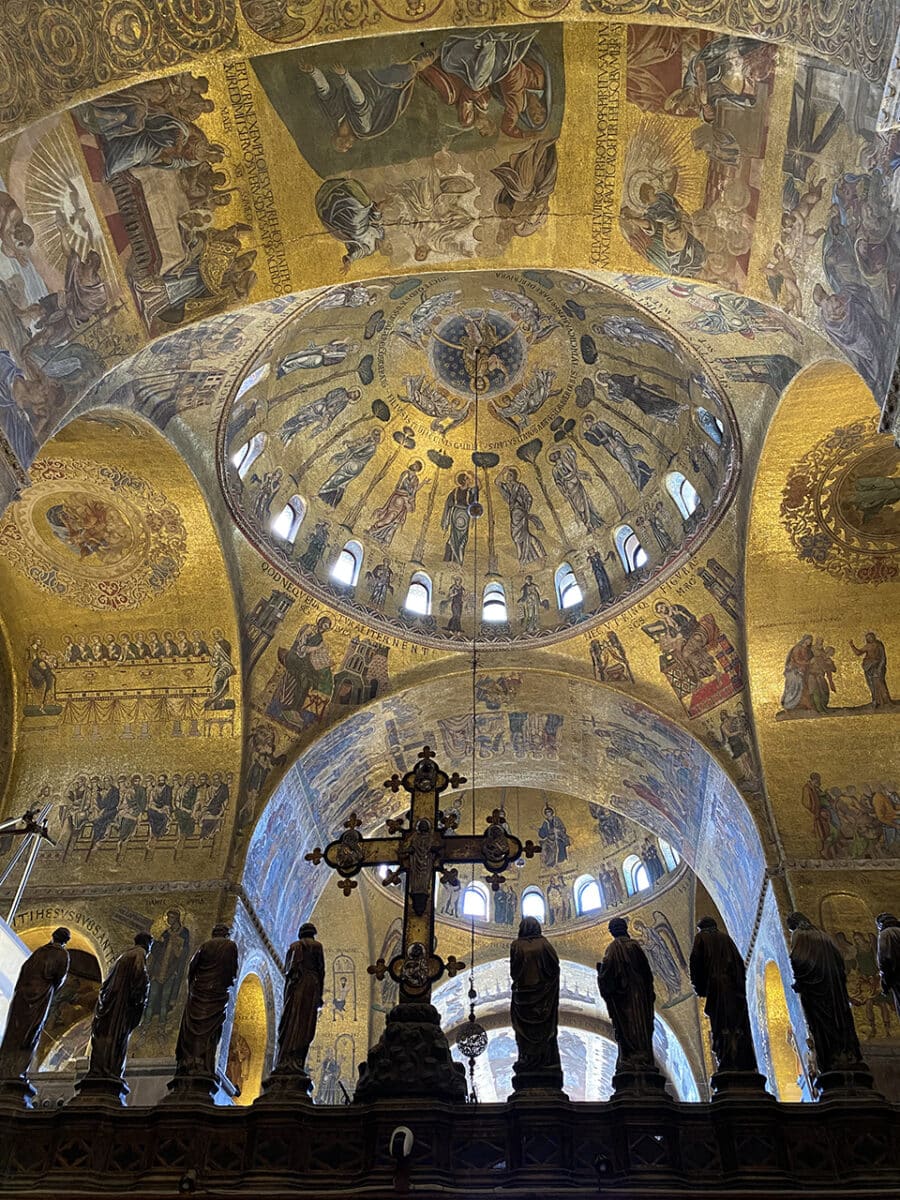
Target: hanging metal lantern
[{"x": 472, "y": 1040}]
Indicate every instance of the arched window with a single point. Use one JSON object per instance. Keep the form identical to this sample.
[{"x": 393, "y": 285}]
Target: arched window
[
  {"x": 493, "y": 605},
  {"x": 711, "y": 426},
  {"x": 475, "y": 902},
  {"x": 637, "y": 878},
  {"x": 683, "y": 493},
  {"x": 671, "y": 857},
  {"x": 534, "y": 904},
  {"x": 245, "y": 456},
  {"x": 346, "y": 567},
  {"x": 568, "y": 593},
  {"x": 588, "y": 897},
  {"x": 251, "y": 380},
  {"x": 631, "y": 552},
  {"x": 287, "y": 524},
  {"x": 418, "y": 595}
]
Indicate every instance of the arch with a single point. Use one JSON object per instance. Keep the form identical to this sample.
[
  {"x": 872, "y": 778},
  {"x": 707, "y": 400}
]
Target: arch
[
  {"x": 708, "y": 819},
  {"x": 286, "y": 525},
  {"x": 474, "y": 903},
  {"x": 345, "y": 571},
  {"x": 493, "y": 603},
  {"x": 246, "y": 454},
  {"x": 418, "y": 595},
  {"x": 568, "y": 589},
  {"x": 631, "y": 552},
  {"x": 670, "y": 855},
  {"x": 783, "y": 1050},
  {"x": 249, "y": 1038},
  {"x": 588, "y": 895},
  {"x": 580, "y": 1009},
  {"x": 534, "y": 904},
  {"x": 683, "y": 493},
  {"x": 637, "y": 877}
]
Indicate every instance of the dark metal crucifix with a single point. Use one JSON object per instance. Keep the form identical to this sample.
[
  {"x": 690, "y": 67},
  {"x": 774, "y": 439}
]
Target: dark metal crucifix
[{"x": 423, "y": 849}]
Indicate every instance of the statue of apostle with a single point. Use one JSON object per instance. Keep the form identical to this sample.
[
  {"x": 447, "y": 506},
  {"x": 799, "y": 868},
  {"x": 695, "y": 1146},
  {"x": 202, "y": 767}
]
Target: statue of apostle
[
  {"x": 626, "y": 984},
  {"x": 120, "y": 1006},
  {"x": 211, "y": 976},
  {"x": 534, "y": 969},
  {"x": 718, "y": 974},
  {"x": 820, "y": 980},
  {"x": 40, "y": 978},
  {"x": 888, "y": 956},
  {"x": 304, "y": 981}
]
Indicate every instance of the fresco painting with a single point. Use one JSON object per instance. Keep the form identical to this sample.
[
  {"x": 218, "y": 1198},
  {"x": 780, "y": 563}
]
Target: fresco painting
[
  {"x": 60, "y": 302},
  {"x": 698, "y": 119},
  {"x": 581, "y": 450},
  {"x": 163, "y": 189},
  {"x": 836, "y": 260},
  {"x": 439, "y": 150},
  {"x": 839, "y": 504}
]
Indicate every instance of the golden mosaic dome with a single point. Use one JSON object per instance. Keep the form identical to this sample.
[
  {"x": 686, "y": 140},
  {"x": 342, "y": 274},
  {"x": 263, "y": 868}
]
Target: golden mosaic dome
[{"x": 514, "y": 452}]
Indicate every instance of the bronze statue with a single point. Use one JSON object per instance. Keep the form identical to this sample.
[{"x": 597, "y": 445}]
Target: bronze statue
[
  {"x": 211, "y": 976},
  {"x": 626, "y": 984},
  {"x": 534, "y": 969},
  {"x": 820, "y": 980},
  {"x": 304, "y": 981},
  {"x": 889, "y": 956},
  {"x": 718, "y": 974},
  {"x": 120, "y": 1006},
  {"x": 40, "y": 978}
]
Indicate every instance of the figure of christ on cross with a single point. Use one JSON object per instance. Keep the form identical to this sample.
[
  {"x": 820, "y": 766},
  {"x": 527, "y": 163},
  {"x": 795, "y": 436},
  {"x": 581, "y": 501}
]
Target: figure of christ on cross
[{"x": 425, "y": 847}]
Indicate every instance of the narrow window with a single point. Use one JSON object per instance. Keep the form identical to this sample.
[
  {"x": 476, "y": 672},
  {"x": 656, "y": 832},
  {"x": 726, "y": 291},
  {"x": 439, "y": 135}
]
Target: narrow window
[
  {"x": 533, "y": 904},
  {"x": 418, "y": 595},
  {"x": 631, "y": 552},
  {"x": 493, "y": 607},
  {"x": 568, "y": 593},
  {"x": 637, "y": 878},
  {"x": 711, "y": 426},
  {"x": 588, "y": 897},
  {"x": 346, "y": 568},
  {"x": 474, "y": 902},
  {"x": 287, "y": 524},
  {"x": 252, "y": 379},
  {"x": 683, "y": 493},
  {"x": 671, "y": 856},
  {"x": 244, "y": 457}
]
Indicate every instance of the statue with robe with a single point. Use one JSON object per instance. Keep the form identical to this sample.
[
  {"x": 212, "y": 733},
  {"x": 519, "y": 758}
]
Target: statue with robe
[
  {"x": 304, "y": 981},
  {"x": 625, "y": 982},
  {"x": 120, "y": 1006},
  {"x": 534, "y": 1011},
  {"x": 820, "y": 980},
  {"x": 719, "y": 976},
  {"x": 40, "y": 978},
  {"x": 211, "y": 976},
  {"x": 888, "y": 955}
]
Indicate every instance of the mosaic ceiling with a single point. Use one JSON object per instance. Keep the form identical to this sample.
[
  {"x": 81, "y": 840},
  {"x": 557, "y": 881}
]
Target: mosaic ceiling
[{"x": 479, "y": 434}]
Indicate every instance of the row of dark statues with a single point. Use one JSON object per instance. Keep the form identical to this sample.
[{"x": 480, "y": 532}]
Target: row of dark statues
[
  {"x": 123, "y": 996},
  {"x": 624, "y": 979},
  {"x": 718, "y": 975}
]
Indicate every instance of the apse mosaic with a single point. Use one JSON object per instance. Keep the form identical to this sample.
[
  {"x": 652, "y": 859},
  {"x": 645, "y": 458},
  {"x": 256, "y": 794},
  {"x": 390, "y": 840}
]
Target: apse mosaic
[
  {"x": 102, "y": 537},
  {"x": 401, "y": 434}
]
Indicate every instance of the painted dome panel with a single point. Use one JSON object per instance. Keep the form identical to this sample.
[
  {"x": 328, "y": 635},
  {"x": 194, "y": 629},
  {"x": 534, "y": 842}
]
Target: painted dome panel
[{"x": 434, "y": 455}]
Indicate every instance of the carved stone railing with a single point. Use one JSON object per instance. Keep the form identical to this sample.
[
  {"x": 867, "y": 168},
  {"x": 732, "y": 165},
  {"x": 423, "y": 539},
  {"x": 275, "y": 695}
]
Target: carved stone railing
[{"x": 632, "y": 1147}]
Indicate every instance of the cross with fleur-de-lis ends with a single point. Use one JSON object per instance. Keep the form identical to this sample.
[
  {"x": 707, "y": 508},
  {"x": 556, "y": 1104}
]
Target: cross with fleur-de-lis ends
[{"x": 426, "y": 844}]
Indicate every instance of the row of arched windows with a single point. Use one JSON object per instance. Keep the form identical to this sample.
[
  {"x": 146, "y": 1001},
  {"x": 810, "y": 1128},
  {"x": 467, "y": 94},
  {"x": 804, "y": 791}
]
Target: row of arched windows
[
  {"x": 588, "y": 893},
  {"x": 632, "y": 554}
]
